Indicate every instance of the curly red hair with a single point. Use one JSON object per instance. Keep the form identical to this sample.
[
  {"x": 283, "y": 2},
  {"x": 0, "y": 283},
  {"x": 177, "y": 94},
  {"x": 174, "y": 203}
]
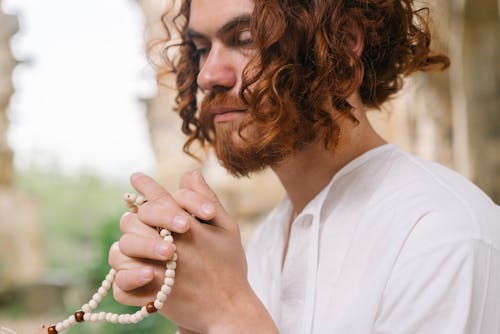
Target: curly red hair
[{"x": 305, "y": 59}]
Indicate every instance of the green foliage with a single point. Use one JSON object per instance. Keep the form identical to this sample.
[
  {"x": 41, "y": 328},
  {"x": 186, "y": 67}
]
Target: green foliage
[{"x": 72, "y": 210}]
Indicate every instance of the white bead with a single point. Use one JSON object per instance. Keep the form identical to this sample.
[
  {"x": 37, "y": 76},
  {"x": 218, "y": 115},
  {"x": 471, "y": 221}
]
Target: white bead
[
  {"x": 97, "y": 298},
  {"x": 112, "y": 272},
  {"x": 170, "y": 273},
  {"x": 106, "y": 285},
  {"x": 140, "y": 200},
  {"x": 174, "y": 247},
  {"x": 124, "y": 318},
  {"x": 72, "y": 320},
  {"x": 169, "y": 281},
  {"x": 158, "y": 304},
  {"x": 174, "y": 258},
  {"x": 86, "y": 308},
  {"x": 94, "y": 317},
  {"x": 169, "y": 238},
  {"x": 171, "y": 265},
  {"x": 102, "y": 291},
  {"x": 114, "y": 318},
  {"x": 129, "y": 197},
  {"x": 164, "y": 233},
  {"x": 86, "y": 316},
  {"x": 166, "y": 289},
  {"x": 110, "y": 278},
  {"x": 93, "y": 304},
  {"x": 139, "y": 315},
  {"x": 66, "y": 323},
  {"x": 109, "y": 316},
  {"x": 102, "y": 316},
  {"x": 144, "y": 312},
  {"x": 59, "y": 327},
  {"x": 161, "y": 296}
]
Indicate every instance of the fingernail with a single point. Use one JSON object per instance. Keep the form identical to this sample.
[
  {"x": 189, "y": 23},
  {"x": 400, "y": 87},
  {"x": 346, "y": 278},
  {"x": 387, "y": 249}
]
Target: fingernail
[
  {"x": 125, "y": 214},
  {"x": 146, "y": 273},
  {"x": 162, "y": 249},
  {"x": 208, "y": 208},
  {"x": 180, "y": 222},
  {"x": 136, "y": 175}
]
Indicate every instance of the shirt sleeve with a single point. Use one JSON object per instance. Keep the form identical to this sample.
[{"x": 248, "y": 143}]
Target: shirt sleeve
[{"x": 444, "y": 281}]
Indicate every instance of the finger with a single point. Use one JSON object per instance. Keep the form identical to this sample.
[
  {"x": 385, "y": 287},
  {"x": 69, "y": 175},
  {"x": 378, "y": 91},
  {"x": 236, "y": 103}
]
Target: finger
[
  {"x": 149, "y": 188},
  {"x": 131, "y": 279},
  {"x": 166, "y": 214},
  {"x": 136, "y": 246},
  {"x": 195, "y": 203},
  {"x": 195, "y": 182},
  {"x": 130, "y": 223},
  {"x": 119, "y": 261}
]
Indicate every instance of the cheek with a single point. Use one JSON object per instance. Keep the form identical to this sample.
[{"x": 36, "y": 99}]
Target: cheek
[{"x": 246, "y": 63}]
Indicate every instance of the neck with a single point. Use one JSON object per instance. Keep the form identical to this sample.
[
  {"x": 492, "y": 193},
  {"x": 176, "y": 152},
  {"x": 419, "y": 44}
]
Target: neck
[{"x": 307, "y": 172}]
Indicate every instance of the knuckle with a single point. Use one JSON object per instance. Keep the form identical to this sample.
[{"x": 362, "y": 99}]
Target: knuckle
[
  {"x": 114, "y": 254},
  {"x": 125, "y": 222},
  {"x": 158, "y": 193},
  {"x": 124, "y": 242},
  {"x": 182, "y": 193},
  {"x": 118, "y": 294},
  {"x": 185, "y": 178}
]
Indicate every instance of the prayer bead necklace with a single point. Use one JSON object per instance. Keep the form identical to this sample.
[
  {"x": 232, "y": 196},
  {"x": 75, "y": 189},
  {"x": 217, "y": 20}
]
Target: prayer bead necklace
[{"x": 85, "y": 313}]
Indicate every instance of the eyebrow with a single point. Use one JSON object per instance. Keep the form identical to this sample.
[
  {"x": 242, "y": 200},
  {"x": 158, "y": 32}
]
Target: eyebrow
[{"x": 233, "y": 23}]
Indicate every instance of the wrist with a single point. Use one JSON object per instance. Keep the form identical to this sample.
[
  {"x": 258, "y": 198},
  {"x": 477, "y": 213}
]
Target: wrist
[{"x": 245, "y": 314}]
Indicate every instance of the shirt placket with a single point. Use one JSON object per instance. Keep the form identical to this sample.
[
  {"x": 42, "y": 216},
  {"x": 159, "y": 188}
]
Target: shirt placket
[{"x": 294, "y": 274}]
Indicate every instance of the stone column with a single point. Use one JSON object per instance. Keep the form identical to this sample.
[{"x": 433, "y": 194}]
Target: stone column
[
  {"x": 8, "y": 27},
  {"x": 476, "y": 91},
  {"x": 20, "y": 244}
]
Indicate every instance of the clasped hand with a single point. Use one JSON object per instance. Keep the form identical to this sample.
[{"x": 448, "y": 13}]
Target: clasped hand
[{"x": 211, "y": 284}]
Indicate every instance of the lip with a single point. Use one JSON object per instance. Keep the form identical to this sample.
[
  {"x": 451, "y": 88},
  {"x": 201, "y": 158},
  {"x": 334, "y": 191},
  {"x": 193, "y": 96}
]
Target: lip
[{"x": 227, "y": 114}]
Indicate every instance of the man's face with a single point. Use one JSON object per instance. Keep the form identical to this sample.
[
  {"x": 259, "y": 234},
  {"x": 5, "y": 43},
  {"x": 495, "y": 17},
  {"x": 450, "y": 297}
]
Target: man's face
[{"x": 220, "y": 32}]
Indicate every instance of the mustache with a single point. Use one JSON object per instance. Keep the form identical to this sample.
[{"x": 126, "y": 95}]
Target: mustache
[
  {"x": 213, "y": 100},
  {"x": 216, "y": 100}
]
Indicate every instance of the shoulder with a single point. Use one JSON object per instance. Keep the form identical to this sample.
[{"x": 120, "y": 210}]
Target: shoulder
[{"x": 435, "y": 200}]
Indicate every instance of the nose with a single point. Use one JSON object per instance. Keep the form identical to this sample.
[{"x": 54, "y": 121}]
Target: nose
[{"x": 217, "y": 70}]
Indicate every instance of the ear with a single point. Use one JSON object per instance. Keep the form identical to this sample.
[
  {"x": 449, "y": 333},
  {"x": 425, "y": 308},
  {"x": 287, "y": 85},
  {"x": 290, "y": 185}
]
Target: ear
[{"x": 355, "y": 38}]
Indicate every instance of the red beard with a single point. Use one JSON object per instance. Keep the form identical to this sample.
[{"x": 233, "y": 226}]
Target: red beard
[{"x": 237, "y": 145}]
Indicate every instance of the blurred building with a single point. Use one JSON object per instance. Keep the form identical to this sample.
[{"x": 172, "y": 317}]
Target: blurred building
[
  {"x": 20, "y": 256},
  {"x": 454, "y": 117},
  {"x": 450, "y": 117}
]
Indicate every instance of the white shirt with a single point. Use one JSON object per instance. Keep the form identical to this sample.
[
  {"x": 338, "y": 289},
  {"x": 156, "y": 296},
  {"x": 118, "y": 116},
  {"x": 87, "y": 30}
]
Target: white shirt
[{"x": 393, "y": 244}]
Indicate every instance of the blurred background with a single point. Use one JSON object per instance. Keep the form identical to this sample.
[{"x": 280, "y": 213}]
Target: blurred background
[{"x": 80, "y": 111}]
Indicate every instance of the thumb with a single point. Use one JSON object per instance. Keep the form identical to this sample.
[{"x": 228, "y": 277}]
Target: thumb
[{"x": 195, "y": 181}]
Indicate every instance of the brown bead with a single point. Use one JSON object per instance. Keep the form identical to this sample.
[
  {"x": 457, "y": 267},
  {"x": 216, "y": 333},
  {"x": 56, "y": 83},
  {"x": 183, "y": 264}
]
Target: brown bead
[
  {"x": 52, "y": 330},
  {"x": 150, "y": 307},
  {"x": 79, "y": 316}
]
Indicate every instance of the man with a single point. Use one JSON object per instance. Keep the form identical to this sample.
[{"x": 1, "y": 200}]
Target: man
[{"x": 369, "y": 238}]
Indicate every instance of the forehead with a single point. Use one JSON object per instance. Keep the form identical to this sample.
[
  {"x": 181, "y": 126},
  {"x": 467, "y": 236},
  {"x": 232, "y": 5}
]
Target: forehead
[{"x": 207, "y": 16}]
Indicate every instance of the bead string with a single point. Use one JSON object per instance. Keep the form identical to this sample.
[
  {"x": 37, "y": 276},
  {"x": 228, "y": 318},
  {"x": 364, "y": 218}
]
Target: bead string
[{"x": 85, "y": 313}]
